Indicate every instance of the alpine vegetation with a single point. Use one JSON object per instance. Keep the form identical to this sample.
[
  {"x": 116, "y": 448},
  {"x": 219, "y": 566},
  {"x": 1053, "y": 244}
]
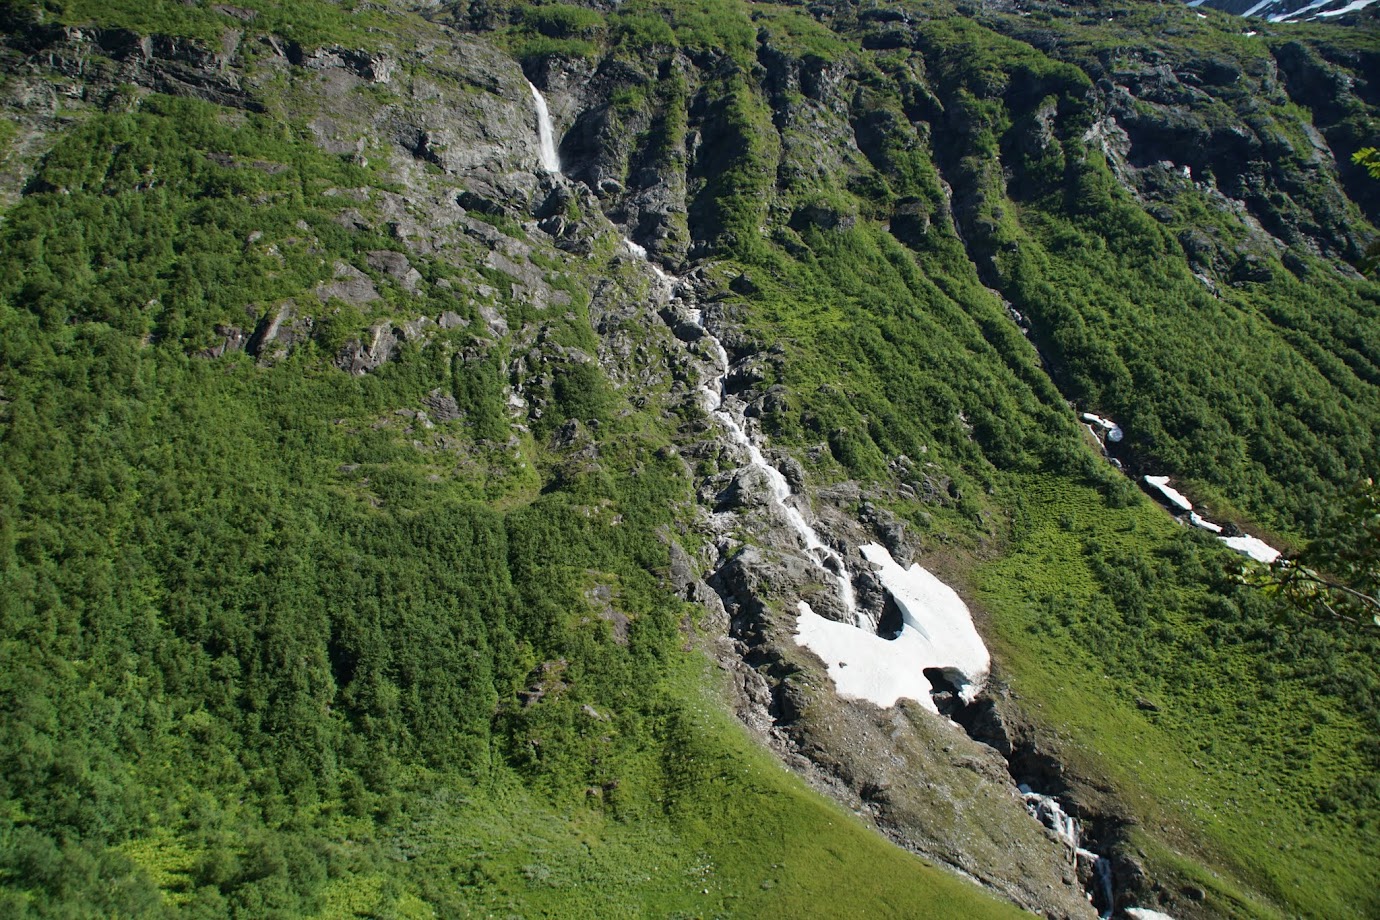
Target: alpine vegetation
[{"x": 688, "y": 458}]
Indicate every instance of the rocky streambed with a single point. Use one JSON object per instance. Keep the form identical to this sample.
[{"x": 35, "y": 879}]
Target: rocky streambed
[{"x": 859, "y": 667}]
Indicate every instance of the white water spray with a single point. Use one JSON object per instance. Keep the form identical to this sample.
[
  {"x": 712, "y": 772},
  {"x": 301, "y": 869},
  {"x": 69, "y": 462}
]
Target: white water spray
[
  {"x": 546, "y": 135},
  {"x": 937, "y": 630},
  {"x": 1047, "y": 810}
]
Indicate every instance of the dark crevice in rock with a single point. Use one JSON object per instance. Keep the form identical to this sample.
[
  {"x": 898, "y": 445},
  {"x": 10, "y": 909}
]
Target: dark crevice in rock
[
  {"x": 1114, "y": 879},
  {"x": 889, "y": 622}
]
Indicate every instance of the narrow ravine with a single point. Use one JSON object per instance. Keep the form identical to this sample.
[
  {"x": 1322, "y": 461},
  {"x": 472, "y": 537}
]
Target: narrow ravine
[
  {"x": 938, "y": 651},
  {"x": 937, "y": 654},
  {"x": 937, "y": 634}
]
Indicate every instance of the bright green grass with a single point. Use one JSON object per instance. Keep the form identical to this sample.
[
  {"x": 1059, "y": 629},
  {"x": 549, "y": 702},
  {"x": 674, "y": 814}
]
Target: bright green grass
[
  {"x": 756, "y": 842},
  {"x": 1232, "y": 779}
]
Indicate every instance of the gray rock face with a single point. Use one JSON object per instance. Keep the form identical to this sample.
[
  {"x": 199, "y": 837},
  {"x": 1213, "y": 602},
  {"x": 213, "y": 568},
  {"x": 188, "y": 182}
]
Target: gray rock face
[
  {"x": 360, "y": 357},
  {"x": 395, "y": 265},
  {"x": 278, "y": 331},
  {"x": 350, "y": 285},
  {"x": 234, "y": 340},
  {"x": 443, "y": 406}
]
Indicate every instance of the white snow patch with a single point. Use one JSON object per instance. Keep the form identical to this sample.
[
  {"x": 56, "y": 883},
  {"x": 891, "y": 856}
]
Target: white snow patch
[
  {"x": 936, "y": 632},
  {"x": 1203, "y": 523},
  {"x": 1175, "y": 497},
  {"x": 1114, "y": 432},
  {"x": 1351, "y": 7},
  {"x": 936, "y": 612},
  {"x": 863, "y": 665},
  {"x": 1145, "y": 913},
  {"x": 1258, "y": 7},
  {"x": 546, "y": 137},
  {"x": 1254, "y": 547},
  {"x": 1297, "y": 15}
]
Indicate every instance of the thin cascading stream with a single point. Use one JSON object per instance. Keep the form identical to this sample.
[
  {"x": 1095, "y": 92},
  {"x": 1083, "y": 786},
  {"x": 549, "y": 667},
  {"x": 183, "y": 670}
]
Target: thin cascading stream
[
  {"x": 1048, "y": 811},
  {"x": 715, "y": 400},
  {"x": 546, "y": 134},
  {"x": 937, "y": 633}
]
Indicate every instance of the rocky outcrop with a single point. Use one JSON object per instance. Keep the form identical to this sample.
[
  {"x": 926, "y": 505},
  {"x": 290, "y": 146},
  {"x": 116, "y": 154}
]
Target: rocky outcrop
[
  {"x": 920, "y": 778},
  {"x": 452, "y": 128}
]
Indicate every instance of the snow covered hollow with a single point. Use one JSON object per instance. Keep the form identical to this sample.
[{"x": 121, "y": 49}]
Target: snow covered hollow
[
  {"x": 546, "y": 136},
  {"x": 1174, "y": 496},
  {"x": 863, "y": 665},
  {"x": 1254, "y": 547},
  {"x": 936, "y": 632},
  {"x": 1203, "y": 523},
  {"x": 1114, "y": 432}
]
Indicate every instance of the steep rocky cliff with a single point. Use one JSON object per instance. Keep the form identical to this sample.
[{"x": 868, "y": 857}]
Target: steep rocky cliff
[{"x": 901, "y": 243}]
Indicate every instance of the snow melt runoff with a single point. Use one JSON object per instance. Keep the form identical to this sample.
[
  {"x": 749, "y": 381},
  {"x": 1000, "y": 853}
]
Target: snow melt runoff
[{"x": 937, "y": 633}]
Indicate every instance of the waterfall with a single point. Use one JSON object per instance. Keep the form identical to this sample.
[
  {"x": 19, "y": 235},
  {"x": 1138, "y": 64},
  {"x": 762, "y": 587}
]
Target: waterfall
[
  {"x": 937, "y": 633},
  {"x": 546, "y": 136},
  {"x": 1047, "y": 810},
  {"x": 829, "y": 562}
]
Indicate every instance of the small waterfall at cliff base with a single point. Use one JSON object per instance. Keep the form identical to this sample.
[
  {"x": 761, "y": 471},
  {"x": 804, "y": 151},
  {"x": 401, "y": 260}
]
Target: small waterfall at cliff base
[
  {"x": 546, "y": 136},
  {"x": 937, "y": 654}
]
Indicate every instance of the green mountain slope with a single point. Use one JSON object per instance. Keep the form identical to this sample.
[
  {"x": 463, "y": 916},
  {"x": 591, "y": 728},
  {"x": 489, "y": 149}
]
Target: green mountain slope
[{"x": 365, "y": 547}]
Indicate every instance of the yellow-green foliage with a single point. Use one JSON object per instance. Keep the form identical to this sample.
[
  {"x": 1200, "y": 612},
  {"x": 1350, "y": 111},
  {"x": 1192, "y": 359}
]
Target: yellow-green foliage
[{"x": 1102, "y": 613}]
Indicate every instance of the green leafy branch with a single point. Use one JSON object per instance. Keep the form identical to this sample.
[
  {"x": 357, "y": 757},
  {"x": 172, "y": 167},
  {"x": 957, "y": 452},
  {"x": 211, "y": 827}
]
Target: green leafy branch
[{"x": 1338, "y": 574}]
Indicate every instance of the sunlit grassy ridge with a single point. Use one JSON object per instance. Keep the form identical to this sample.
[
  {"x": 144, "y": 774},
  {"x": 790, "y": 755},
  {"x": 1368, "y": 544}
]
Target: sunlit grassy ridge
[{"x": 1249, "y": 751}]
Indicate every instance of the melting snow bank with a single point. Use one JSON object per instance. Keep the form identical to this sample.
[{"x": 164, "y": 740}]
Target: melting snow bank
[
  {"x": 1254, "y": 547},
  {"x": 1174, "y": 496},
  {"x": 863, "y": 665},
  {"x": 1114, "y": 432},
  {"x": 937, "y": 649},
  {"x": 937, "y": 614},
  {"x": 1144, "y": 913},
  {"x": 937, "y": 632},
  {"x": 1203, "y": 523}
]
